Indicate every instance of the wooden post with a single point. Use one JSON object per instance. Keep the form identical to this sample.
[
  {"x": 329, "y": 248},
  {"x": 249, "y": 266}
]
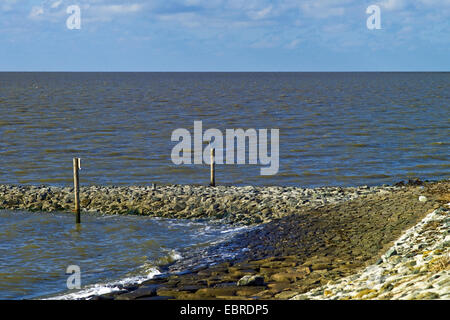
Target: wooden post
[
  {"x": 76, "y": 184},
  {"x": 213, "y": 169}
]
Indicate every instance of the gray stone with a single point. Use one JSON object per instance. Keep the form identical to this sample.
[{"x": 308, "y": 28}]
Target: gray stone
[
  {"x": 251, "y": 281},
  {"x": 391, "y": 252},
  {"x": 144, "y": 291}
]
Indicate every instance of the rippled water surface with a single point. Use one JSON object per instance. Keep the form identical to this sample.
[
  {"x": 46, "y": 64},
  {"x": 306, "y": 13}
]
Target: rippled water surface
[
  {"x": 335, "y": 128},
  {"x": 37, "y": 248}
]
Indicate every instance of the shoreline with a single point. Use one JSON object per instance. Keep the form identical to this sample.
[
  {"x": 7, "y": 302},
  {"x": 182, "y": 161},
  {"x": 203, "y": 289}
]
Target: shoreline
[
  {"x": 297, "y": 253},
  {"x": 308, "y": 238}
]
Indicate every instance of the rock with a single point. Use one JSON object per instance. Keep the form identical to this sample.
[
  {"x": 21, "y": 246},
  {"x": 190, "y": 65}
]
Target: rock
[
  {"x": 213, "y": 292},
  {"x": 144, "y": 291},
  {"x": 285, "y": 295},
  {"x": 248, "y": 280},
  {"x": 320, "y": 266},
  {"x": 189, "y": 288},
  {"x": 391, "y": 252},
  {"x": 249, "y": 291},
  {"x": 364, "y": 293},
  {"x": 387, "y": 287},
  {"x": 423, "y": 199},
  {"x": 156, "y": 298},
  {"x": 287, "y": 276},
  {"x": 416, "y": 182},
  {"x": 427, "y": 296},
  {"x": 279, "y": 286}
]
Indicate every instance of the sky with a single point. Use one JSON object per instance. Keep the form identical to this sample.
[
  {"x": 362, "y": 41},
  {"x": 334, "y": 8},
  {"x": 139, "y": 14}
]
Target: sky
[{"x": 224, "y": 35}]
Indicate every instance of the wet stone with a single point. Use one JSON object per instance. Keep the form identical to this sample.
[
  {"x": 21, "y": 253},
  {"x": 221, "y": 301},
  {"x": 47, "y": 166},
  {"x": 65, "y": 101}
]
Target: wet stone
[
  {"x": 144, "y": 291},
  {"x": 249, "y": 280}
]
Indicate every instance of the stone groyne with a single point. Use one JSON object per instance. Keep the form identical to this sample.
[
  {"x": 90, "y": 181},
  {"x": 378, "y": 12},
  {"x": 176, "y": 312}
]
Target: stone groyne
[{"x": 243, "y": 205}]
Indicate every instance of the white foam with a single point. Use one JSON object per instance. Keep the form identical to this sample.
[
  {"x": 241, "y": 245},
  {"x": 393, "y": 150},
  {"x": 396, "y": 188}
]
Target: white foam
[
  {"x": 237, "y": 229},
  {"x": 100, "y": 289},
  {"x": 175, "y": 255}
]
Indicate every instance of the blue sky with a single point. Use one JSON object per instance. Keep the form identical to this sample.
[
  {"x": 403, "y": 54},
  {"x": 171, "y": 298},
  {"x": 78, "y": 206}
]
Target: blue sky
[{"x": 220, "y": 35}]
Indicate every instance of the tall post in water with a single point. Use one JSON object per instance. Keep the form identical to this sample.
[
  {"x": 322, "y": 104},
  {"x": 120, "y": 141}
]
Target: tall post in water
[
  {"x": 213, "y": 169},
  {"x": 76, "y": 184}
]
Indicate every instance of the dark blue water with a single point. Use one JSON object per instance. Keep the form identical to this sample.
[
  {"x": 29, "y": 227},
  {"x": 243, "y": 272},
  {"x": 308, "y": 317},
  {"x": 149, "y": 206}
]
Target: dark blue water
[{"x": 335, "y": 128}]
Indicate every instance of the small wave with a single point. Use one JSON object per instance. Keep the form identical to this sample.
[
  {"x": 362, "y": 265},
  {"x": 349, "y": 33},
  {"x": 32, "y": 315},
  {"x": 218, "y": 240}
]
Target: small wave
[
  {"x": 100, "y": 289},
  {"x": 104, "y": 288},
  {"x": 234, "y": 230}
]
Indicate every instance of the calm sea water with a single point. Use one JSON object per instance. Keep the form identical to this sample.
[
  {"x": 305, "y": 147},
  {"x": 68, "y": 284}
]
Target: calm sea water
[
  {"x": 37, "y": 248},
  {"x": 335, "y": 128}
]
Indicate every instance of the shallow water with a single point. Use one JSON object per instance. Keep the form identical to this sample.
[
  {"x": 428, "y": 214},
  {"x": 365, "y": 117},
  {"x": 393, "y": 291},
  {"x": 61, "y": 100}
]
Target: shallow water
[
  {"x": 335, "y": 128},
  {"x": 37, "y": 248}
]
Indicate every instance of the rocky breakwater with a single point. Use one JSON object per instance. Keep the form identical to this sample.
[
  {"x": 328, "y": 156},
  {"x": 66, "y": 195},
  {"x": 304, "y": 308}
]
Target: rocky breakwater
[
  {"x": 244, "y": 205},
  {"x": 297, "y": 253}
]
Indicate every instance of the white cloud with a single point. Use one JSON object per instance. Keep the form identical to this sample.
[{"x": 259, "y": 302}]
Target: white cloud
[
  {"x": 261, "y": 14},
  {"x": 56, "y": 4},
  {"x": 117, "y": 8},
  {"x": 392, "y": 5},
  {"x": 106, "y": 13},
  {"x": 36, "y": 12},
  {"x": 93, "y": 10},
  {"x": 436, "y": 3},
  {"x": 324, "y": 8},
  {"x": 293, "y": 44},
  {"x": 270, "y": 42},
  {"x": 186, "y": 19}
]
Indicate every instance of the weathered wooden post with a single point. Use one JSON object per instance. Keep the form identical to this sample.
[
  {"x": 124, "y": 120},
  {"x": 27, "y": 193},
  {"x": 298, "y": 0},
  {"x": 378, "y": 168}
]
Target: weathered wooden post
[
  {"x": 213, "y": 169},
  {"x": 76, "y": 184}
]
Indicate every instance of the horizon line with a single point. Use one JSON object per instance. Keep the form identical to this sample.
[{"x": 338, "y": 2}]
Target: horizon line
[{"x": 249, "y": 71}]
